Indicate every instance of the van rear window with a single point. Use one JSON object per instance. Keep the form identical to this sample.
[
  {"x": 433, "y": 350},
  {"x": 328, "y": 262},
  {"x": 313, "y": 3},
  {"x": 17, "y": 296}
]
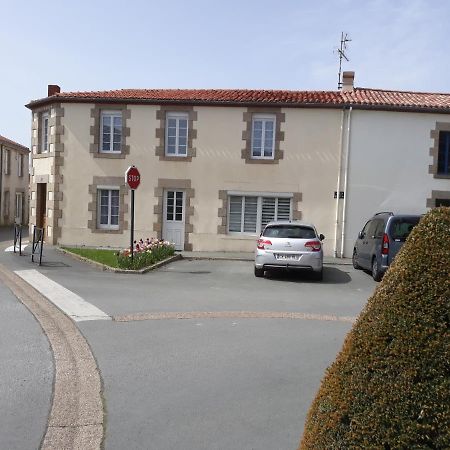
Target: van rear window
[
  {"x": 400, "y": 228},
  {"x": 289, "y": 232}
]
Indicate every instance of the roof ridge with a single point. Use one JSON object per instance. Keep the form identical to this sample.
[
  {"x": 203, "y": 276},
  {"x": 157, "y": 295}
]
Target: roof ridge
[
  {"x": 11, "y": 142},
  {"x": 400, "y": 91}
]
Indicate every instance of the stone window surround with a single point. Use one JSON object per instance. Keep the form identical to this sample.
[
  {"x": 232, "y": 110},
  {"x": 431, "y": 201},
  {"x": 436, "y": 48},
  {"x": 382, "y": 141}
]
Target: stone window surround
[
  {"x": 246, "y": 152},
  {"x": 97, "y": 182},
  {"x": 181, "y": 184},
  {"x": 160, "y": 133},
  {"x": 55, "y": 138},
  {"x": 431, "y": 202},
  {"x": 434, "y": 151},
  {"x": 222, "y": 212},
  {"x": 95, "y": 131}
]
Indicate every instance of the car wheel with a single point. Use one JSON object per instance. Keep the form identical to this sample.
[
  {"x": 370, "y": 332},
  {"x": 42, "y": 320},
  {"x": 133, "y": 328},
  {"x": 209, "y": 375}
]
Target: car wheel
[
  {"x": 318, "y": 276},
  {"x": 259, "y": 273},
  {"x": 355, "y": 260},
  {"x": 377, "y": 275}
]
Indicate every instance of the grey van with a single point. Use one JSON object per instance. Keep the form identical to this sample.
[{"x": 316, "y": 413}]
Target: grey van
[{"x": 380, "y": 240}]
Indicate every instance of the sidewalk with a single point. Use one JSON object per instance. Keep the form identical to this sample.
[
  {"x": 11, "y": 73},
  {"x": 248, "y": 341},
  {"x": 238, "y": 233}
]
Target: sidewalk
[{"x": 250, "y": 256}]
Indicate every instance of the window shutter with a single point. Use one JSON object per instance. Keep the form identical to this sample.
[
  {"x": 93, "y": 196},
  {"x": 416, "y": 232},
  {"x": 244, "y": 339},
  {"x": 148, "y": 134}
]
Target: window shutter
[
  {"x": 235, "y": 214},
  {"x": 250, "y": 214},
  {"x": 268, "y": 210},
  {"x": 284, "y": 209}
]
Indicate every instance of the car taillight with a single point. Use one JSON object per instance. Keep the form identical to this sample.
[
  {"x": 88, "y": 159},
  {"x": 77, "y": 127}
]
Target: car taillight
[
  {"x": 315, "y": 246},
  {"x": 261, "y": 243},
  {"x": 385, "y": 245}
]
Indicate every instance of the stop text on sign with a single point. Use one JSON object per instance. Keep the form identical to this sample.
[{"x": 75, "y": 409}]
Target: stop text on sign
[{"x": 132, "y": 177}]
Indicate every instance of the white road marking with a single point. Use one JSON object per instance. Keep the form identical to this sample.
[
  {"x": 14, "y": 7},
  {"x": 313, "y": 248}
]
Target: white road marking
[
  {"x": 11, "y": 249},
  {"x": 70, "y": 303}
]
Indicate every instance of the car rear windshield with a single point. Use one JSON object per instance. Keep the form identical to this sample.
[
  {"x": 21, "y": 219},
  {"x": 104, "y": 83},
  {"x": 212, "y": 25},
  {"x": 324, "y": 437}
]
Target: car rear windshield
[
  {"x": 289, "y": 232},
  {"x": 401, "y": 227}
]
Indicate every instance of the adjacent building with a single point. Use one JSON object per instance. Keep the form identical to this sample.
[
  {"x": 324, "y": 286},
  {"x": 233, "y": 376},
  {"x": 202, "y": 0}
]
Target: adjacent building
[
  {"x": 14, "y": 182},
  {"x": 217, "y": 165}
]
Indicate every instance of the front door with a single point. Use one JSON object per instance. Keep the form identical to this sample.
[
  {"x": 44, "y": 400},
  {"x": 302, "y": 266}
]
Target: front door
[
  {"x": 41, "y": 205},
  {"x": 173, "y": 223}
]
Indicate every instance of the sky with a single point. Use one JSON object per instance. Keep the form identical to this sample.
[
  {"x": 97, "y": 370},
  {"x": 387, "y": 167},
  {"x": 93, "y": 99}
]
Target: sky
[{"x": 253, "y": 44}]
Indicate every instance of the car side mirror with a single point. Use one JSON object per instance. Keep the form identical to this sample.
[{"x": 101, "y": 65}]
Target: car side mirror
[
  {"x": 321, "y": 237},
  {"x": 361, "y": 235}
]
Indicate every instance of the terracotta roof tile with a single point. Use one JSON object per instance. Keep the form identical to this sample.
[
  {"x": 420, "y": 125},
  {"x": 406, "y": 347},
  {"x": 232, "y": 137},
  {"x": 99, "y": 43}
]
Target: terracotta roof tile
[{"x": 373, "y": 98}]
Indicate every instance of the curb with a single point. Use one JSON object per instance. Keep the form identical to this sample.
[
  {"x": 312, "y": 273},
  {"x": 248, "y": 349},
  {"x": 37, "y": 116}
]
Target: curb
[
  {"x": 115, "y": 270},
  {"x": 76, "y": 418}
]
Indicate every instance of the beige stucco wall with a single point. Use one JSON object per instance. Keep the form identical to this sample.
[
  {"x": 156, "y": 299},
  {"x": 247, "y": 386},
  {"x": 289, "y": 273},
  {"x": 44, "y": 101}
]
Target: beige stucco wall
[
  {"x": 13, "y": 183},
  {"x": 309, "y": 166},
  {"x": 388, "y": 169}
]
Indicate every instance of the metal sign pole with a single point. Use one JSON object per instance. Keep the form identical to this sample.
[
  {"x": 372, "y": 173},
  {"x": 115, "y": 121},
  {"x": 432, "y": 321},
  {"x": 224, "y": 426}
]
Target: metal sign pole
[{"x": 132, "y": 225}]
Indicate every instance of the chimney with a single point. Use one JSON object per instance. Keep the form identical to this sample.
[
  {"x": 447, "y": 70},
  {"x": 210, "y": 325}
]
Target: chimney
[
  {"x": 53, "y": 89},
  {"x": 347, "y": 81}
]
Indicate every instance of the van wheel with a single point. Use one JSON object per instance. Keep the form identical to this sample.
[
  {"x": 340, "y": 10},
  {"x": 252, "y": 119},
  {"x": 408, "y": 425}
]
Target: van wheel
[
  {"x": 355, "y": 260},
  {"x": 377, "y": 275},
  {"x": 259, "y": 273}
]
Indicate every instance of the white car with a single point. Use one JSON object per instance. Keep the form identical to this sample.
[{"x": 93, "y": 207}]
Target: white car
[{"x": 289, "y": 245}]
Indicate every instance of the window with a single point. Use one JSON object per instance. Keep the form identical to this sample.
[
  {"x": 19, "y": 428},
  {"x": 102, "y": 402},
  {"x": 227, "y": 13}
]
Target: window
[
  {"x": 20, "y": 165},
  {"x": 111, "y": 131},
  {"x": 263, "y": 136},
  {"x": 176, "y": 134},
  {"x": 108, "y": 208},
  {"x": 6, "y": 204},
  {"x": 250, "y": 214},
  {"x": 19, "y": 207},
  {"x": 6, "y": 162},
  {"x": 443, "y": 166},
  {"x": 44, "y": 132},
  {"x": 442, "y": 202}
]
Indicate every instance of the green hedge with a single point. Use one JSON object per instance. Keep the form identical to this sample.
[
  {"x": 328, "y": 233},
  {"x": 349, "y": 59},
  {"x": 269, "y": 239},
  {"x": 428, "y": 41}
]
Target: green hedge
[{"x": 389, "y": 387}]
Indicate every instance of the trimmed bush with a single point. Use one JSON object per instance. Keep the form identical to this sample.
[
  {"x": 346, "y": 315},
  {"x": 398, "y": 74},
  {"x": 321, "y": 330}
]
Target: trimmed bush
[
  {"x": 389, "y": 387},
  {"x": 146, "y": 253}
]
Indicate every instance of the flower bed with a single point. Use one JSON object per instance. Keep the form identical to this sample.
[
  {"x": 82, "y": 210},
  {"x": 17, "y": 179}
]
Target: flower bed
[{"x": 146, "y": 253}]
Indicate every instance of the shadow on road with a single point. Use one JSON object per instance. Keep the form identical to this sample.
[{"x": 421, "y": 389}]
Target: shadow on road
[{"x": 331, "y": 275}]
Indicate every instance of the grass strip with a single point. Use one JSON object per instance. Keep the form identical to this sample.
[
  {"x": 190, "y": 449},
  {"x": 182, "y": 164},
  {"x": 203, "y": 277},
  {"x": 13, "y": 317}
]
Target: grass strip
[{"x": 107, "y": 257}]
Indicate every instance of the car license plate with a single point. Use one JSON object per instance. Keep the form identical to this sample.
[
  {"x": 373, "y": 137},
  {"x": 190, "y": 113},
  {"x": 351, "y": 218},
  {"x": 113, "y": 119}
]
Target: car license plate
[{"x": 279, "y": 257}]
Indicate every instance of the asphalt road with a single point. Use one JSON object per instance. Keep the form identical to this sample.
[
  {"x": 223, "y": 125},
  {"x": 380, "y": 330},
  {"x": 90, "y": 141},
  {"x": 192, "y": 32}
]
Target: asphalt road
[
  {"x": 26, "y": 376},
  {"x": 209, "y": 383}
]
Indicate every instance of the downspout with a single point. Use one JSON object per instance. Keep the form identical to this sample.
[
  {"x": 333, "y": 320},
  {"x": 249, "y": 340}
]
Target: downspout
[
  {"x": 347, "y": 153},
  {"x": 341, "y": 145}
]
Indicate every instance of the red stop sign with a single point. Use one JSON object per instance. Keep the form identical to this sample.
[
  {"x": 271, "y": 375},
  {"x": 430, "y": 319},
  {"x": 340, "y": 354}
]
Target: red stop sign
[{"x": 132, "y": 177}]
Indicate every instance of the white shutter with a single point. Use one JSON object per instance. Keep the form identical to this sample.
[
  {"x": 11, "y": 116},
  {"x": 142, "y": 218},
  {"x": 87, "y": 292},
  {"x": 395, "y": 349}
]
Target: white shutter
[
  {"x": 250, "y": 214},
  {"x": 284, "y": 209},
  {"x": 235, "y": 217},
  {"x": 268, "y": 211}
]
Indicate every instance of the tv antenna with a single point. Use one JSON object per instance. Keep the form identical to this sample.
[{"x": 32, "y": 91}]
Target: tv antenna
[{"x": 341, "y": 52}]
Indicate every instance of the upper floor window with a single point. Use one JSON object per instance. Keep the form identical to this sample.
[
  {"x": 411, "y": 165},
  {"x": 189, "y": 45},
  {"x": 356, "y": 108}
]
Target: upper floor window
[
  {"x": 176, "y": 133},
  {"x": 44, "y": 132},
  {"x": 20, "y": 165},
  {"x": 250, "y": 214},
  {"x": 263, "y": 136},
  {"x": 108, "y": 208},
  {"x": 111, "y": 131},
  {"x": 6, "y": 162},
  {"x": 443, "y": 166}
]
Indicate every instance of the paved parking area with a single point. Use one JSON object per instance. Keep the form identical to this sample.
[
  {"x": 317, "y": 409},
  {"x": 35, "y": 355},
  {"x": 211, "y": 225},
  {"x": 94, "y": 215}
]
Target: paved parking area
[{"x": 238, "y": 372}]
